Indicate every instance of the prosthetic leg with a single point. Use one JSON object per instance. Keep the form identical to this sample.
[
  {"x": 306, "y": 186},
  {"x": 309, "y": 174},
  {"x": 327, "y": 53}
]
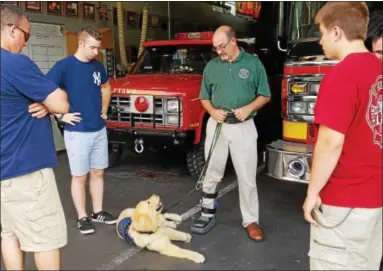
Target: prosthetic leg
[{"x": 206, "y": 221}]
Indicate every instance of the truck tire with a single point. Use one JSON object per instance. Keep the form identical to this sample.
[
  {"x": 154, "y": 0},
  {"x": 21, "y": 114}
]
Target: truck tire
[
  {"x": 114, "y": 156},
  {"x": 195, "y": 159}
]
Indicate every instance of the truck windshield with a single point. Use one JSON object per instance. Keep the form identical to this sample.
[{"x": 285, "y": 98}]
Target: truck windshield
[
  {"x": 174, "y": 59},
  {"x": 302, "y": 17}
]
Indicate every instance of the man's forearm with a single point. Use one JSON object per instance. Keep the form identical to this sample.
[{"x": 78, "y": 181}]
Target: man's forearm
[
  {"x": 326, "y": 155},
  {"x": 106, "y": 96},
  {"x": 57, "y": 102},
  {"x": 207, "y": 105},
  {"x": 258, "y": 103}
]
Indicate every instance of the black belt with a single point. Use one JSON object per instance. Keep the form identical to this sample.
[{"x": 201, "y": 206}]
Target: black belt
[{"x": 232, "y": 119}]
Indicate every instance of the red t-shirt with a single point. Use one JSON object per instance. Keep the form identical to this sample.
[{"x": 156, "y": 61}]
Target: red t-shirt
[{"x": 350, "y": 102}]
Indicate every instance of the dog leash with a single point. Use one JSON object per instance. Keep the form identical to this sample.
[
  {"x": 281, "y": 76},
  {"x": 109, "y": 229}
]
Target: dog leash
[{"x": 201, "y": 178}]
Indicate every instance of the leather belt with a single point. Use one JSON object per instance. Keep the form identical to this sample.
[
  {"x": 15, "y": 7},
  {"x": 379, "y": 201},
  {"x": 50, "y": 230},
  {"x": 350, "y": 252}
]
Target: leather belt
[{"x": 232, "y": 119}]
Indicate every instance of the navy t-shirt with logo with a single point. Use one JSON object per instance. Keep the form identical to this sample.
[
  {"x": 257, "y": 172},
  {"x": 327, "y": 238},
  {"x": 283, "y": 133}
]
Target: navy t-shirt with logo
[
  {"x": 27, "y": 143},
  {"x": 82, "y": 81}
]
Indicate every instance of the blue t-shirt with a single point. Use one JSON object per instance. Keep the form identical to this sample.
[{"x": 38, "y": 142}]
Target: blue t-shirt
[
  {"x": 27, "y": 143},
  {"x": 82, "y": 81}
]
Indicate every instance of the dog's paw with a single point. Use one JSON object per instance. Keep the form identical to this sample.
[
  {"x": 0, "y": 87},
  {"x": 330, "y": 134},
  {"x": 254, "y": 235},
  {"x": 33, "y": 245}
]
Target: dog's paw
[
  {"x": 178, "y": 219},
  {"x": 188, "y": 237},
  {"x": 198, "y": 258},
  {"x": 171, "y": 224}
]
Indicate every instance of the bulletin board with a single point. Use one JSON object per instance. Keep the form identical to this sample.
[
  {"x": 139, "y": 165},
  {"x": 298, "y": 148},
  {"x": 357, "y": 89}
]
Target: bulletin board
[{"x": 47, "y": 45}]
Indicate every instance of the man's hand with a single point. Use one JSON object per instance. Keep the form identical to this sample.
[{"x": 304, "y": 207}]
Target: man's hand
[
  {"x": 104, "y": 116},
  {"x": 71, "y": 118},
  {"x": 219, "y": 115},
  {"x": 242, "y": 113},
  {"x": 312, "y": 202},
  {"x": 38, "y": 110}
]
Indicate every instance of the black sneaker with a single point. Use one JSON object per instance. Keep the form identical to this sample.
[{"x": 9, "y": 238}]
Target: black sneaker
[
  {"x": 104, "y": 217},
  {"x": 85, "y": 226}
]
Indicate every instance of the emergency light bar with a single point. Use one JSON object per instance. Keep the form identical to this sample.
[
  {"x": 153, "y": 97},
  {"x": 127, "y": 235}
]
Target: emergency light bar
[{"x": 194, "y": 36}]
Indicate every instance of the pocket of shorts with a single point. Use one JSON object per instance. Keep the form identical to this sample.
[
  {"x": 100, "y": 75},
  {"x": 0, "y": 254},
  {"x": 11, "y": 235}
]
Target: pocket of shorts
[
  {"x": 328, "y": 244},
  {"x": 46, "y": 222},
  {"x": 328, "y": 252}
]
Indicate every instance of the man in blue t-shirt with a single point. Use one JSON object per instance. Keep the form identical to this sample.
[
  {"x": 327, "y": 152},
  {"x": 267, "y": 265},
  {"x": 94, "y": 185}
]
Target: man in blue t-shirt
[
  {"x": 32, "y": 217},
  {"x": 86, "y": 82}
]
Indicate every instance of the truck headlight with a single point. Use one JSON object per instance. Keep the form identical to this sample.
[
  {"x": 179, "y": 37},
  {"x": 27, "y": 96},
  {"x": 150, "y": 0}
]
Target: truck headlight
[
  {"x": 311, "y": 108},
  {"x": 173, "y": 106},
  {"x": 314, "y": 88},
  {"x": 173, "y": 120},
  {"x": 298, "y": 107}
]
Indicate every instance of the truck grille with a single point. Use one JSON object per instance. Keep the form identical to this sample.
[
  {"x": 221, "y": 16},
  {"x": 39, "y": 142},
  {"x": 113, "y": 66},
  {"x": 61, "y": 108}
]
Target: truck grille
[{"x": 120, "y": 110}]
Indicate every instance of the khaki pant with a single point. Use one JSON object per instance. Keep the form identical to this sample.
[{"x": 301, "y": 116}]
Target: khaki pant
[
  {"x": 241, "y": 140},
  {"x": 31, "y": 211},
  {"x": 355, "y": 244}
]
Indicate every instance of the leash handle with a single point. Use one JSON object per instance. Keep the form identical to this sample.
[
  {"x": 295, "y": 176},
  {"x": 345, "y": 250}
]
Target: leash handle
[{"x": 216, "y": 135}]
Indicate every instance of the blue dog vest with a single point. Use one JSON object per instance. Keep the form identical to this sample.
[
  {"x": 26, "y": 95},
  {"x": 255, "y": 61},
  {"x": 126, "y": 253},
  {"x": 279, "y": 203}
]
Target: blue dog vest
[{"x": 123, "y": 228}]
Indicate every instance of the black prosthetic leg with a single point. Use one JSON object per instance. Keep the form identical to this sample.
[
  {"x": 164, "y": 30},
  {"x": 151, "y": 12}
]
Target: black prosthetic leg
[{"x": 206, "y": 221}]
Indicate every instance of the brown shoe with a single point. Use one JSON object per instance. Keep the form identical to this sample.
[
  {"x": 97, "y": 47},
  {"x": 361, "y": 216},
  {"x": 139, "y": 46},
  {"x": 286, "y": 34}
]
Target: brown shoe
[{"x": 255, "y": 232}]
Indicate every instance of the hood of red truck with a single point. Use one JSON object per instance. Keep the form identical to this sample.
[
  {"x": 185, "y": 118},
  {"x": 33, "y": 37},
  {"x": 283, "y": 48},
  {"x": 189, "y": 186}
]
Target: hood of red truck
[{"x": 182, "y": 84}]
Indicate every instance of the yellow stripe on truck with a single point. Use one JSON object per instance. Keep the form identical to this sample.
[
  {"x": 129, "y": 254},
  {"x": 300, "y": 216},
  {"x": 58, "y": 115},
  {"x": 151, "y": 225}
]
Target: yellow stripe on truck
[{"x": 295, "y": 130}]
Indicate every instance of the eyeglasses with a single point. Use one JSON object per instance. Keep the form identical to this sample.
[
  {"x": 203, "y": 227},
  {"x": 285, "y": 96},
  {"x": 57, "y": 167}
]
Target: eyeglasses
[
  {"x": 26, "y": 34},
  {"x": 221, "y": 47}
]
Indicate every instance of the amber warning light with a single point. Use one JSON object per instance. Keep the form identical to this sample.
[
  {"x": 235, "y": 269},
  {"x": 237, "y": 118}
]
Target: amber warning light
[{"x": 194, "y": 36}]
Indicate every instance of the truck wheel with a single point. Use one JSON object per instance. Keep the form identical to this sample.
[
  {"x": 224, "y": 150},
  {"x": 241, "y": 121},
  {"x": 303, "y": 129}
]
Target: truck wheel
[
  {"x": 195, "y": 159},
  {"x": 114, "y": 155}
]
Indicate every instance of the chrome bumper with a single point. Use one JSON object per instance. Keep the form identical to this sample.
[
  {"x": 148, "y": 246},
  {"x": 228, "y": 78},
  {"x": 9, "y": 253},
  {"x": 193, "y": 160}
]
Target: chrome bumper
[{"x": 289, "y": 161}]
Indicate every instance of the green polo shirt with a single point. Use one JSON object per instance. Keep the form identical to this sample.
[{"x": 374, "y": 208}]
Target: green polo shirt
[{"x": 231, "y": 85}]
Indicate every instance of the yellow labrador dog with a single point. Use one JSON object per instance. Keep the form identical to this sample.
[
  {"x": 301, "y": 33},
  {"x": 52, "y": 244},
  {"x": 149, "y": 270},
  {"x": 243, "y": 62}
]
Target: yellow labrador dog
[{"x": 152, "y": 230}]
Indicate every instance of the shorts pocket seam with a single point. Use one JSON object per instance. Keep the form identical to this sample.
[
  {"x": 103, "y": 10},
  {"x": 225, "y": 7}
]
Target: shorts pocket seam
[{"x": 336, "y": 254}]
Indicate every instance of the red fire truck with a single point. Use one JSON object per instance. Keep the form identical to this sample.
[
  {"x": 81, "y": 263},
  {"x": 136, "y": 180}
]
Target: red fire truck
[
  {"x": 290, "y": 158},
  {"x": 157, "y": 105}
]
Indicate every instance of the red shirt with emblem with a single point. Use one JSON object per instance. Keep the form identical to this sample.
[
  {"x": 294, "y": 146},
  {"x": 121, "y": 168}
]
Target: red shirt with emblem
[{"x": 350, "y": 102}]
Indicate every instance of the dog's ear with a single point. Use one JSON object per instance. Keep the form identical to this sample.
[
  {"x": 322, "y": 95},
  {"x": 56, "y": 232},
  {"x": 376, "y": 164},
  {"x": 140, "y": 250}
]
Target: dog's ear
[{"x": 143, "y": 223}]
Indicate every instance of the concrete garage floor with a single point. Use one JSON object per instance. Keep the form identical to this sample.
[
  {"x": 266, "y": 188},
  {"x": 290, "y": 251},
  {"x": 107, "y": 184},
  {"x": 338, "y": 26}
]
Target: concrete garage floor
[{"x": 225, "y": 247}]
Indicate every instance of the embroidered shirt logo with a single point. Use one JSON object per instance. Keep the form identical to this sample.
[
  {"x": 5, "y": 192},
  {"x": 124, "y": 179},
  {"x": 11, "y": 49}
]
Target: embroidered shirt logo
[
  {"x": 244, "y": 73},
  {"x": 374, "y": 113},
  {"x": 97, "y": 78}
]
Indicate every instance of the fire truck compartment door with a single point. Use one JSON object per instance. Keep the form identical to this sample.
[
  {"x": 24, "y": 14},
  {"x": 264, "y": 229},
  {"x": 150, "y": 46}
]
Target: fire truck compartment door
[{"x": 295, "y": 130}]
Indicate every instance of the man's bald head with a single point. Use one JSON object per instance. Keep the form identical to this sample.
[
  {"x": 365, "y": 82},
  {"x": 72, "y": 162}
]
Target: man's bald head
[
  {"x": 225, "y": 44},
  {"x": 226, "y": 30}
]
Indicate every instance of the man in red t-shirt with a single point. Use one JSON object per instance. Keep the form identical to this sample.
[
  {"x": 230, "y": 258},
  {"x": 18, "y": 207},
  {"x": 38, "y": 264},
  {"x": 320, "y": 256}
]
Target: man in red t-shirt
[{"x": 344, "y": 196}]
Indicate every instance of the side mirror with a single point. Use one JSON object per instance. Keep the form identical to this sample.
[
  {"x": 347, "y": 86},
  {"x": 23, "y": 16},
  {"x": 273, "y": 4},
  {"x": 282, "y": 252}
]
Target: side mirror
[{"x": 280, "y": 31}]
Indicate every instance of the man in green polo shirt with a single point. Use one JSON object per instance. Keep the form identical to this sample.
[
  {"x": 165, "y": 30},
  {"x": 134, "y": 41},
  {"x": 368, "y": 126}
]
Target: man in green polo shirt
[{"x": 233, "y": 89}]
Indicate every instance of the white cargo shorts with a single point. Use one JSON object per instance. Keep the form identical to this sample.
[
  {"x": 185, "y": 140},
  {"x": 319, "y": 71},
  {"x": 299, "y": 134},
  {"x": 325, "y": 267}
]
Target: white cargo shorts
[{"x": 86, "y": 150}]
